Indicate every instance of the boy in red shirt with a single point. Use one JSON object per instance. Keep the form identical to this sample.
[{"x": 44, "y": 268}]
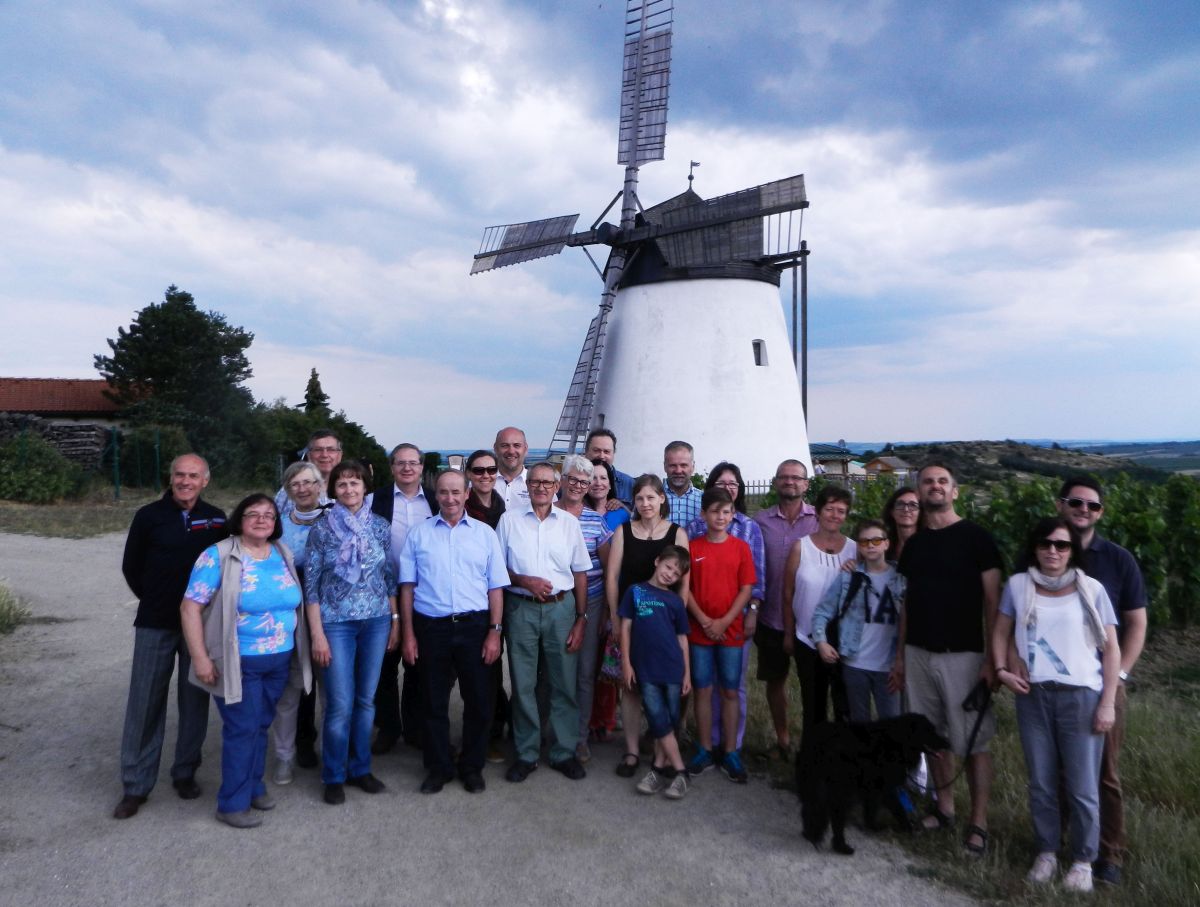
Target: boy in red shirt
[{"x": 721, "y": 580}]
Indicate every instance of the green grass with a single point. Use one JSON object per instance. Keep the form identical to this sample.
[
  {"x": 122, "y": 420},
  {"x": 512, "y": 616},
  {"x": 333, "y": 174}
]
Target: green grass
[
  {"x": 12, "y": 613},
  {"x": 1160, "y": 773}
]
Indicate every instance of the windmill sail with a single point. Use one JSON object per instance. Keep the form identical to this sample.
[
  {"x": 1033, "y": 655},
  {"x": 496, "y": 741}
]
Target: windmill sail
[{"x": 511, "y": 244}]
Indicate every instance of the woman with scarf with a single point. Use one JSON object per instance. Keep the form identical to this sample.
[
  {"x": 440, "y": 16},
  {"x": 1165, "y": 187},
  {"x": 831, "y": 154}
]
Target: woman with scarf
[
  {"x": 1054, "y": 645},
  {"x": 350, "y": 588}
]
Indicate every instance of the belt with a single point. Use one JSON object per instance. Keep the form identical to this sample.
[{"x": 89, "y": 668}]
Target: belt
[
  {"x": 556, "y": 597},
  {"x": 460, "y": 617},
  {"x": 1054, "y": 686}
]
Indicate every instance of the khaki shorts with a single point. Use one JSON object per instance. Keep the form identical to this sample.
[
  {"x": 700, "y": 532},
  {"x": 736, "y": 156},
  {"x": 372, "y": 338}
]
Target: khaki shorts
[{"x": 936, "y": 683}]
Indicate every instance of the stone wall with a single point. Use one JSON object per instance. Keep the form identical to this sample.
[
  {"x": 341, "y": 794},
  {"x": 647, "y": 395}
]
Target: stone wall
[{"x": 80, "y": 442}]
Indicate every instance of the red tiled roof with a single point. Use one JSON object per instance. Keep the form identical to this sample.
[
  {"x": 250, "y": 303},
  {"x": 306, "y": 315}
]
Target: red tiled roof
[{"x": 55, "y": 395}]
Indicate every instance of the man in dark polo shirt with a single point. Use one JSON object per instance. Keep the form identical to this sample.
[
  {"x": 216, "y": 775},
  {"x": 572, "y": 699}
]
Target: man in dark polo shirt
[
  {"x": 953, "y": 571},
  {"x": 164, "y": 541},
  {"x": 1081, "y": 502}
]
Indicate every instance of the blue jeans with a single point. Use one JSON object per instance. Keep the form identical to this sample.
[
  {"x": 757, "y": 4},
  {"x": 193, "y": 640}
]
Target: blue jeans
[
  {"x": 1056, "y": 735},
  {"x": 725, "y": 662},
  {"x": 244, "y": 729},
  {"x": 154, "y": 654},
  {"x": 863, "y": 686},
  {"x": 661, "y": 702},
  {"x": 356, "y": 650}
]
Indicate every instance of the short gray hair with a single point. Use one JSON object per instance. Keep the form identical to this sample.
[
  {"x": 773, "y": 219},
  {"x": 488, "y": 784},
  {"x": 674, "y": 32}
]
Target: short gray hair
[
  {"x": 298, "y": 467},
  {"x": 578, "y": 463}
]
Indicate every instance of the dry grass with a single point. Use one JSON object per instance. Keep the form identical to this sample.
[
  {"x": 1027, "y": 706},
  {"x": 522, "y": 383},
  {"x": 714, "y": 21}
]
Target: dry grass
[
  {"x": 12, "y": 612},
  {"x": 1160, "y": 771},
  {"x": 96, "y": 513}
]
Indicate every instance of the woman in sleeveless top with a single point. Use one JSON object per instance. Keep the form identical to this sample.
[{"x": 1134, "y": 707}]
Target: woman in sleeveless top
[
  {"x": 631, "y": 560},
  {"x": 812, "y": 565}
]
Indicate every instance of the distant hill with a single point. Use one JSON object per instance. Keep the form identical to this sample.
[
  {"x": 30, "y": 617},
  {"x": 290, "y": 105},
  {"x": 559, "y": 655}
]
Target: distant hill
[
  {"x": 988, "y": 461},
  {"x": 1175, "y": 456}
]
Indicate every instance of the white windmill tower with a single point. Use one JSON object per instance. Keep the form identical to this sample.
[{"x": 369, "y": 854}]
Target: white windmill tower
[{"x": 690, "y": 342}]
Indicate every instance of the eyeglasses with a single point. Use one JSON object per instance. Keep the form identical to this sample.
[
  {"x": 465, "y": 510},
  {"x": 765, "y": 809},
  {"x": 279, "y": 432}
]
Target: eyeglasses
[
  {"x": 313, "y": 450},
  {"x": 303, "y": 483},
  {"x": 541, "y": 483},
  {"x": 1077, "y": 503},
  {"x": 253, "y": 515},
  {"x": 578, "y": 483},
  {"x": 906, "y": 505},
  {"x": 873, "y": 542},
  {"x": 1059, "y": 545},
  {"x": 791, "y": 478},
  {"x": 406, "y": 464},
  {"x": 725, "y": 485},
  {"x": 484, "y": 470}
]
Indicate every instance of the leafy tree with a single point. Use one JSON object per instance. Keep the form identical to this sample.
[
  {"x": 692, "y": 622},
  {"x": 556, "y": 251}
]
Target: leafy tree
[
  {"x": 178, "y": 365},
  {"x": 315, "y": 398}
]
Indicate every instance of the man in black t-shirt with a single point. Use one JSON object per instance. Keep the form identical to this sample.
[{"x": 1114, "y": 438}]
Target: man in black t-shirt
[{"x": 953, "y": 571}]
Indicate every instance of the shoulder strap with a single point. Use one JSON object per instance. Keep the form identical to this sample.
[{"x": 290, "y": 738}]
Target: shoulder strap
[{"x": 856, "y": 581}]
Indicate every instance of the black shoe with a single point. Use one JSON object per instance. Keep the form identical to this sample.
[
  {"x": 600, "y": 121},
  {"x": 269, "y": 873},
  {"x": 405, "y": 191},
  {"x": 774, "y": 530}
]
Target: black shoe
[
  {"x": 367, "y": 783},
  {"x": 128, "y": 806},
  {"x": 1104, "y": 872},
  {"x": 473, "y": 783},
  {"x": 187, "y": 788},
  {"x": 306, "y": 756},
  {"x": 335, "y": 794},
  {"x": 433, "y": 783},
  {"x": 384, "y": 743},
  {"x": 519, "y": 771},
  {"x": 570, "y": 767}
]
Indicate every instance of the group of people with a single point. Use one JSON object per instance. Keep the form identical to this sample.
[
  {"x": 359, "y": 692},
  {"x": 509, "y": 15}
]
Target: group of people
[{"x": 584, "y": 574}]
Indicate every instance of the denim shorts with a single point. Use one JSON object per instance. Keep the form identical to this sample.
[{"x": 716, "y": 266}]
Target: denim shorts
[
  {"x": 661, "y": 702},
  {"x": 724, "y": 661}
]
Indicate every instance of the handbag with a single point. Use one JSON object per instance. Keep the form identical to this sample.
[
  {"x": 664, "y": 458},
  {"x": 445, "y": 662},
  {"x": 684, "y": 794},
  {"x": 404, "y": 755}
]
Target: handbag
[{"x": 610, "y": 664}]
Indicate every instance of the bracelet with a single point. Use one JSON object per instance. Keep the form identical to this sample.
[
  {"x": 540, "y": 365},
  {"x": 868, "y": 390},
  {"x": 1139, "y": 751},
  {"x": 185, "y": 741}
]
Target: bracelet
[
  {"x": 1000, "y": 668},
  {"x": 582, "y": 616}
]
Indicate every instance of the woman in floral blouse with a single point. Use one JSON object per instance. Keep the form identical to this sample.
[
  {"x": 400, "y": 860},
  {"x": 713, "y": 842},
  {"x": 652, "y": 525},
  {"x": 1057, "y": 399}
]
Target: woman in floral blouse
[{"x": 350, "y": 588}]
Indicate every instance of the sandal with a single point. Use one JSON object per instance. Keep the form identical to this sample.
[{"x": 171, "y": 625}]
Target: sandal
[
  {"x": 974, "y": 831},
  {"x": 943, "y": 821},
  {"x": 627, "y": 769}
]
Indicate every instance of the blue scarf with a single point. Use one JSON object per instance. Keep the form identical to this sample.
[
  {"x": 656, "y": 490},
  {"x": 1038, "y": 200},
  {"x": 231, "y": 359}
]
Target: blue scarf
[{"x": 353, "y": 534}]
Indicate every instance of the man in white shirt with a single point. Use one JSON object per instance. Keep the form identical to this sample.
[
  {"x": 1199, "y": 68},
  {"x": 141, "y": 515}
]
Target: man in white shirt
[
  {"x": 545, "y": 609},
  {"x": 511, "y": 448}
]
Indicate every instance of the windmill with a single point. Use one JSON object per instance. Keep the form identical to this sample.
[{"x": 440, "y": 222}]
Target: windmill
[{"x": 689, "y": 341}]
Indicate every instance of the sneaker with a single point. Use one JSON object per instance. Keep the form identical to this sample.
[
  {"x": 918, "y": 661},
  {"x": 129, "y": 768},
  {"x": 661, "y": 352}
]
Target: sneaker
[
  {"x": 1043, "y": 869},
  {"x": 583, "y": 753},
  {"x": 651, "y": 784},
  {"x": 1078, "y": 877},
  {"x": 495, "y": 753},
  {"x": 283, "y": 771},
  {"x": 677, "y": 788},
  {"x": 244, "y": 819},
  {"x": 701, "y": 762},
  {"x": 732, "y": 766},
  {"x": 263, "y": 802},
  {"x": 1107, "y": 873}
]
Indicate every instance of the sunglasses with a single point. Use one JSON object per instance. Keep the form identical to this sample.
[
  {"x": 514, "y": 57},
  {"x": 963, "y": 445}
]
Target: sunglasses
[
  {"x": 1060, "y": 545},
  {"x": 872, "y": 542},
  {"x": 1077, "y": 503},
  {"x": 484, "y": 470}
]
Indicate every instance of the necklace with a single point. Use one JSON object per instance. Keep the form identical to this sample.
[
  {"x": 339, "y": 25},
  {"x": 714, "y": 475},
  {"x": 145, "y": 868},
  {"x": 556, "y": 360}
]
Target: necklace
[{"x": 650, "y": 530}]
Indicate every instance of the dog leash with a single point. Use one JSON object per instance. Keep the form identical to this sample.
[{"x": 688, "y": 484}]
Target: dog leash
[{"x": 979, "y": 700}]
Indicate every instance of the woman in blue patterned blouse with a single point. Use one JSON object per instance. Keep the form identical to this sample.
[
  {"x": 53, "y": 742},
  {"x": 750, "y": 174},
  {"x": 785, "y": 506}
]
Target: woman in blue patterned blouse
[
  {"x": 247, "y": 583},
  {"x": 350, "y": 588}
]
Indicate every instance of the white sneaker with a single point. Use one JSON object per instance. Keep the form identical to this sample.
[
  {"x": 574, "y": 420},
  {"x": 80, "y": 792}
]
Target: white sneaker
[
  {"x": 677, "y": 788},
  {"x": 1043, "y": 869},
  {"x": 283, "y": 771},
  {"x": 1078, "y": 877},
  {"x": 651, "y": 784}
]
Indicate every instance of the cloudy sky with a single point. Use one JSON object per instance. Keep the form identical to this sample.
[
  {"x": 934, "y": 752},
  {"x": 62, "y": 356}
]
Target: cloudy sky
[{"x": 1003, "y": 224}]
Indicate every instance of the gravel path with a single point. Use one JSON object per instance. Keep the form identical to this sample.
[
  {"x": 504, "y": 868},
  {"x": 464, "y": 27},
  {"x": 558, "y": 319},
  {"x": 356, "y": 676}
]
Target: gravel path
[{"x": 63, "y": 682}]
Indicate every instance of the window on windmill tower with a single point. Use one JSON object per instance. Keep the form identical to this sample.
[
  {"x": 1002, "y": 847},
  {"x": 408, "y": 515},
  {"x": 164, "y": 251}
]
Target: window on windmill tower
[{"x": 760, "y": 351}]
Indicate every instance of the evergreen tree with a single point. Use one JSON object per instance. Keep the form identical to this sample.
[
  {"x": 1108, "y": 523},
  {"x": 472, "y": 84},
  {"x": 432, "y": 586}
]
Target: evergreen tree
[{"x": 315, "y": 398}]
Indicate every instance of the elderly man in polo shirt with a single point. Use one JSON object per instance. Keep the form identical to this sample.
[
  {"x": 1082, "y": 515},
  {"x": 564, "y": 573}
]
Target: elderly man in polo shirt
[
  {"x": 679, "y": 463},
  {"x": 782, "y": 526},
  {"x": 452, "y": 575},
  {"x": 544, "y": 616}
]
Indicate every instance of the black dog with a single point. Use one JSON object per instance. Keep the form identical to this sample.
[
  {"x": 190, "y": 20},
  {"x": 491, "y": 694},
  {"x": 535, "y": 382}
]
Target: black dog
[{"x": 838, "y": 761}]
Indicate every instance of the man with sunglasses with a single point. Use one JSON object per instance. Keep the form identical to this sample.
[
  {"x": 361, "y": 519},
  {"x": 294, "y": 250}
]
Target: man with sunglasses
[
  {"x": 404, "y": 505},
  {"x": 1081, "y": 502}
]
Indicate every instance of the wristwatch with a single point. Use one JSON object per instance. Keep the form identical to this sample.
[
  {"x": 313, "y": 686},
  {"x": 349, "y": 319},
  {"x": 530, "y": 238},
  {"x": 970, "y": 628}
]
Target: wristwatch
[
  {"x": 499, "y": 628},
  {"x": 753, "y": 606},
  {"x": 1124, "y": 675}
]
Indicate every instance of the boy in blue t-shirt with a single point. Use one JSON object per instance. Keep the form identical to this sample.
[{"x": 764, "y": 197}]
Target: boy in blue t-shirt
[{"x": 654, "y": 655}]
